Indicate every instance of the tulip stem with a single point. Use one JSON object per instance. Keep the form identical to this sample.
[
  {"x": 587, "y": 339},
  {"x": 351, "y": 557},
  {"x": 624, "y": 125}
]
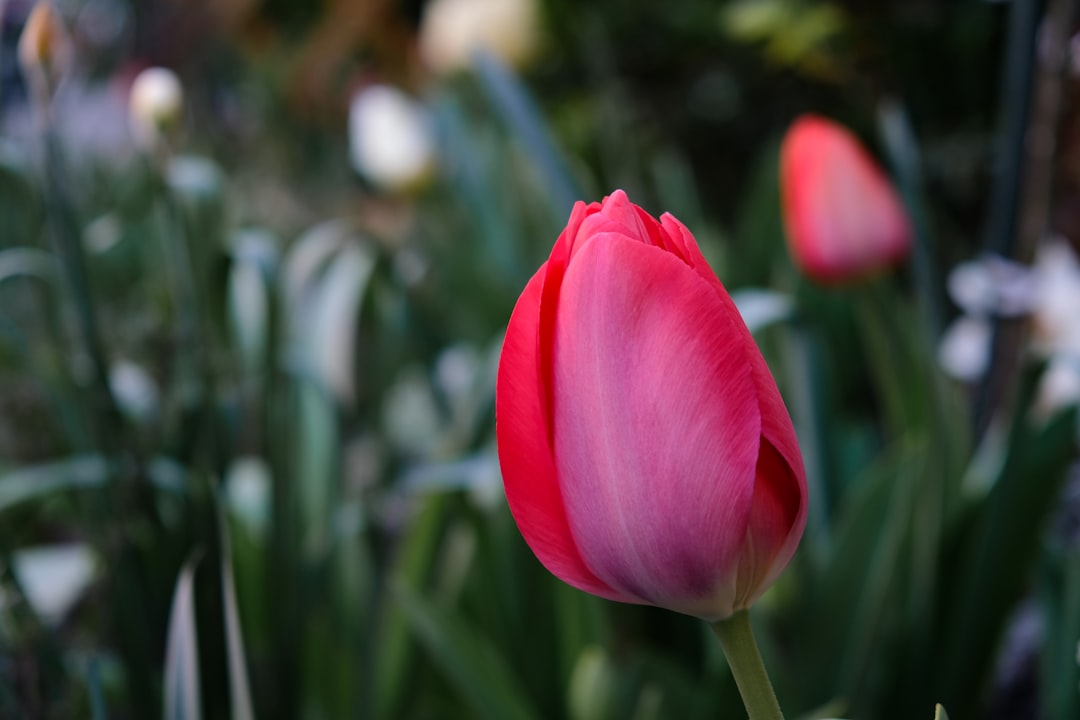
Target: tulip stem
[{"x": 740, "y": 648}]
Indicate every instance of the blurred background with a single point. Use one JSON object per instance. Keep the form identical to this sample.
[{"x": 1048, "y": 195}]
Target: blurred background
[{"x": 256, "y": 257}]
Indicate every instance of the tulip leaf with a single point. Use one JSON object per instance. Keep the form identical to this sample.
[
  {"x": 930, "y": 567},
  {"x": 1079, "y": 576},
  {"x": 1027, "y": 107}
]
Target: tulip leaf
[
  {"x": 512, "y": 101},
  {"x": 761, "y": 308},
  {"x": 317, "y": 464},
  {"x": 939, "y": 713},
  {"x": 249, "y": 312},
  {"x": 239, "y": 686},
  {"x": 1059, "y": 669},
  {"x": 94, "y": 691},
  {"x": 467, "y": 659},
  {"x": 331, "y": 338},
  {"x": 413, "y": 564},
  {"x": 592, "y": 682},
  {"x": 182, "y": 697},
  {"x": 903, "y": 151},
  {"x": 76, "y": 473},
  {"x": 990, "y": 573}
]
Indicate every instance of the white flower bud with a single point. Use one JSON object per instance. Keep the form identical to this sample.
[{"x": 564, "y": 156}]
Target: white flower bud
[
  {"x": 390, "y": 139},
  {"x": 964, "y": 352},
  {"x": 453, "y": 31},
  {"x": 155, "y": 105}
]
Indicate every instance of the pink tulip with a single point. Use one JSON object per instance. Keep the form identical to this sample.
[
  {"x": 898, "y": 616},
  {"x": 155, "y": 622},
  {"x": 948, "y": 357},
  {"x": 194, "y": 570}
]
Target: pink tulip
[
  {"x": 646, "y": 452},
  {"x": 843, "y": 218}
]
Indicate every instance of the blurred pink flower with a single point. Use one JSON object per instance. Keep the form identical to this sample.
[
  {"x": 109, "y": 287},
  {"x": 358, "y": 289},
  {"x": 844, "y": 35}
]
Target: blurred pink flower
[{"x": 842, "y": 216}]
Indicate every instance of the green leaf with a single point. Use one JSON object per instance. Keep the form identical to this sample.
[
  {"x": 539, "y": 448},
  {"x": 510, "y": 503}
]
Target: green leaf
[
  {"x": 249, "y": 310},
  {"x": 412, "y": 566},
  {"x": 992, "y": 568},
  {"x": 512, "y": 101},
  {"x": 94, "y": 691},
  {"x": 591, "y": 686},
  {"x": 331, "y": 339},
  {"x": 239, "y": 685},
  {"x": 1058, "y": 665},
  {"x": 182, "y": 698},
  {"x": 317, "y": 473},
  {"x": 469, "y": 661},
  {"x": 761, "y": 308},
  {"x": 27, "y": 262},
  {"x": 78, "y": 473},
  {"x": 939, "y": 713}
]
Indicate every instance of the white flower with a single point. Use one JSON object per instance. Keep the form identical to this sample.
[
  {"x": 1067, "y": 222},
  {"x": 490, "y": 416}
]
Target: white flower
[
  {"x": 453, "y": 31},
  {"x": 964, "y": 351},
  {"x": 54, "y": 577},
  {"x": 390, "y": 138},
  {"x": 135, "y": 391},
  {"x": 992, "y": 286},
  {"x": 1056, "y": 311},
  {"x": 155, "y": 105},
  {"x": 1048, "y": 292},
  {"x": 1059, "y": 386}
]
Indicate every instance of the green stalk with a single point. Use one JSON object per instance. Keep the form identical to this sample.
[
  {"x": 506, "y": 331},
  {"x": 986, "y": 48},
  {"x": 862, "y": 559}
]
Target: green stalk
[{"x": 740, "y": 648}]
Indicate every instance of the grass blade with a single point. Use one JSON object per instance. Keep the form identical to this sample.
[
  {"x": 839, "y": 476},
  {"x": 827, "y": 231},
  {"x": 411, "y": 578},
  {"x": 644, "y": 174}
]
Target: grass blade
[
  {"x": 182, "y": 698},
  {"x": 469, "y": 662}
]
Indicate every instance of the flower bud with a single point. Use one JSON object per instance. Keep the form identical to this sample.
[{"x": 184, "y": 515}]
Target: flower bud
[
  {"x": 390, "y": 139},
  {"x": 155, "y": 106},
  {"x": 453, "y": 31},
  {"x": 45, "y": 50},
  {"x": 843, "y": 218},
  {"x": 647, "y": 455}
]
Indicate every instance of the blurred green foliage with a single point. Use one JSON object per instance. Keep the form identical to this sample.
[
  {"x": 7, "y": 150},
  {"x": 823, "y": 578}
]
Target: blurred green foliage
[{"x": 249, "y": 397}]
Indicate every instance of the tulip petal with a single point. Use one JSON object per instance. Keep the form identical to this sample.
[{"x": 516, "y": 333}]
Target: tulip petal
[
  {"x": 657, "y": 426},
  {"x": 778, "y": 515},
  {"x": 778, "y": 433},
  {"x": 528, "y": 467},
  {"x": 681, "y": 237},
  {"x": 776, "y": 429}
]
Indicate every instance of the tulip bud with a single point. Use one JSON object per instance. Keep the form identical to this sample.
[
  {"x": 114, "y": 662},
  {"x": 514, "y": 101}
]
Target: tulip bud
[
  {"x": 452, "y": 31},
  {"x": 390, "y": 139},
  {"x": 647, "y": 455},
  {"x": 45, "y": 51},
  {"x": 842, "y": 216},
  {"x": 155, "y": 105}
]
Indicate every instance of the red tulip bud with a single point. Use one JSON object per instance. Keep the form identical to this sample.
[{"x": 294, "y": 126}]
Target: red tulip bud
[
  {"x": 843, "y": 217},
  {"x": 646, "y": 453}
]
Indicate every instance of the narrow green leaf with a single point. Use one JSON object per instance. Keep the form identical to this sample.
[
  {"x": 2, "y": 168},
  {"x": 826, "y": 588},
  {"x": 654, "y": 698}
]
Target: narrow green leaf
[
  {"x": 761, "y": 308},
  {"x": 903, "y": 151},
  {"x": 939, "y": 713},
  {"x": 592, "y": 682},
  {"x": 77, "y": 473},
  {"x": 309, "y": 256},
  {"x": 182, "y": 698},
  {"x": 994, "y": 566},
  {"x": 512, "y": 101},
  {"x": 239, "y": 686},
  {"x": 249, "y": 313},
  {"x": 96, "y": 695},
  {"x": 317, "y": 473},
  {"x": 27, "y": 262},
  {"x": 412, "y": 566},
  {"x": 467, "y": 659},
  {"x": 331, "y": 338}
]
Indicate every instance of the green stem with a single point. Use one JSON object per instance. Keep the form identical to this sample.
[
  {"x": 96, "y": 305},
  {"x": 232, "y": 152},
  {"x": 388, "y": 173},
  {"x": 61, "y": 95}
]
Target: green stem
[{"x": 740, "y": 648}]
